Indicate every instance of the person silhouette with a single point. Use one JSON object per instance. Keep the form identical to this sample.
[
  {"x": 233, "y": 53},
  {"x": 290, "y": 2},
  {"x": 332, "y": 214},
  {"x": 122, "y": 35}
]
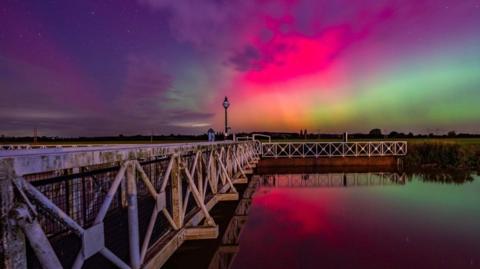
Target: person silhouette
[{"x": 211, "y": 135}]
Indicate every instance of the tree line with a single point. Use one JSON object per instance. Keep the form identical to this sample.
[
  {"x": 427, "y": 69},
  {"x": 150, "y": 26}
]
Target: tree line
[{"x": 303, "y": 134}]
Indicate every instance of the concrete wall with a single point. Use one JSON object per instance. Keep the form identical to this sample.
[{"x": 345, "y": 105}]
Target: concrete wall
[
  {"x": 387, "y": 162},
  {"x": 328, "y": 165}
]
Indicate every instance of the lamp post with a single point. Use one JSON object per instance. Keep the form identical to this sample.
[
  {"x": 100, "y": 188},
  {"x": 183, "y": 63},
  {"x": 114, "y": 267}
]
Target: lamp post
[{"x": 226, "y": 104}]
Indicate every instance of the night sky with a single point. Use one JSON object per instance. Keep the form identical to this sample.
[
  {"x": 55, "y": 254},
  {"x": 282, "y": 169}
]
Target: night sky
[{"x": 74, "y": 68}]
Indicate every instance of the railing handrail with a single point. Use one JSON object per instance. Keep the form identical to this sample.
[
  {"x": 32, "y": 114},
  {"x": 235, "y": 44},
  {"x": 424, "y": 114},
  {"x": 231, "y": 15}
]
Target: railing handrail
[
  {"x": 253, "y": 137},
  {"x": 40, "y": 160},
  {"x": 334, "y": 142},
  {"x": 16, "y": 147},
  {"x": 262, "y": 135},
  {"x": 243, "y": 138}
]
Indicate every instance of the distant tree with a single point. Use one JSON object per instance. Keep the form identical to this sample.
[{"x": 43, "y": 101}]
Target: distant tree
[
  {"x": 452, "y": 134},
  {"x": 375, "y": 132},
  {"x": 393, "y": 134},
  {"x": 301, "y": 132}
]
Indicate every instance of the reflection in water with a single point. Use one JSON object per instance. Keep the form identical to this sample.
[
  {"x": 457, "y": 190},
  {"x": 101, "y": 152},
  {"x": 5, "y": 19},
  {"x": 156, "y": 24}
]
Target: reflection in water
[
  {"x": 352, "y": 220},
  {"x": 229, "y": 245},
  {"x": 364, "y": 220},
  {"x": 332, "y": 180},
  {"x": 452, "y": 177}
]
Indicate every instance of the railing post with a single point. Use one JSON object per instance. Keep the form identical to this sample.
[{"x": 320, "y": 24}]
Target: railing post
[
  {"x": 75, "y": 206},
  {"x": 37, "y": 238},
  {"x": 84, "y": 199},
  {"x": 133, "y": 228},
  {"x": 176, "y": 184},
  {"x": 123, "y": 193},
  {"x": 12, "y": 245}
]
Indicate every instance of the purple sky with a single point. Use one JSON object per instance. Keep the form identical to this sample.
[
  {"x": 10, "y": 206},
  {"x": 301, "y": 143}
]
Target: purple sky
[{"x": 74, "y": 68}]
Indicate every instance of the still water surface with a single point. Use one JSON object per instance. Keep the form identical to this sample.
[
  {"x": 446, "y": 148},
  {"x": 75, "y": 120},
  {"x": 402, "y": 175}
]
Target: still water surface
[{"x": 362, "y": 221}]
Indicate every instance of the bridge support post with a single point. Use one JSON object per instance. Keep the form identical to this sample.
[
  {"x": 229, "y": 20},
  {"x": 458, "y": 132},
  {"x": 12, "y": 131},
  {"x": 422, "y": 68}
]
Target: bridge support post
[
  {"x": 12, "y": 245},
  {"x": 133, "y": 231},
  {"x": 177, "y": 199},
  {"x": 38, "y": 240}
]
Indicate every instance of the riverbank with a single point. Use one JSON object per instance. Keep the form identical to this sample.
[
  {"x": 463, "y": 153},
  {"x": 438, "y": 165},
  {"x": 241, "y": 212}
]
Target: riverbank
[{"x": 442, "y": 155}]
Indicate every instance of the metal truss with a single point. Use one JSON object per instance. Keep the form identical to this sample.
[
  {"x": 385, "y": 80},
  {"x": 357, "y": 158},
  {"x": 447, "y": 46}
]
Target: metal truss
[
  {"x": 192, "y": 183},
  {"x": 333, "y": 149}
]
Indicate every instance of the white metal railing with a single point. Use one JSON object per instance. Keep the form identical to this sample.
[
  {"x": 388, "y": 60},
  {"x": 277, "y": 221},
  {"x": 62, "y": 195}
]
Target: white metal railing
[
  {"x": 243, "y": 138},
  {"x": 333, "y": 149},
  {"x": 254, "y": 137},
  {"x": 258, "y": 143},
  {"x": 29, "y": 146},
  {"x": 183, "y": 182}
]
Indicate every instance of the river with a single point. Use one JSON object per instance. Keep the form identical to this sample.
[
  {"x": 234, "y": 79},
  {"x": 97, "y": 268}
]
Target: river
[{"x": 348, "y": 220}]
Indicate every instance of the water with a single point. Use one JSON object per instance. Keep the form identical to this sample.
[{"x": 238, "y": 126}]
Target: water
[
  {"x": 345, "y": 220},
  {"x": 362, "y": 221}
]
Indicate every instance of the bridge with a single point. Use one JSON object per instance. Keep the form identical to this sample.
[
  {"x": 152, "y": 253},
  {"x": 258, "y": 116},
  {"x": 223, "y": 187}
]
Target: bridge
[{"x": 132, "y": 206}]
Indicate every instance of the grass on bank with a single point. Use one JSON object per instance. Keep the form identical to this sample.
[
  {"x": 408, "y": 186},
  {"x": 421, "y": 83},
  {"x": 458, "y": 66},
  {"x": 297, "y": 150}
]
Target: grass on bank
[{"x": 443, "y": 154}]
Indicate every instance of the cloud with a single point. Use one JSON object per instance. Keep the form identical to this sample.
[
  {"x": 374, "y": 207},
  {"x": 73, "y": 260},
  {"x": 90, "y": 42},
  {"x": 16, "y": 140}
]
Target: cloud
[
  {"x": 36, "y": 114},
  {"x": 146, "y": 84},
  {"x": 188, "y": 118},
  {"x": 148, "y": 100},
  {"x": 247, "y": 59},
  {"x": 202, "y": 22},
  {"x": 253, "y": 35},
  {"x": 220, "y": 24},
  {"x": 191, "y": 124}
]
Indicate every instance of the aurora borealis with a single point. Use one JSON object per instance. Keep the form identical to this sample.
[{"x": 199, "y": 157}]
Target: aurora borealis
[{"x": 110, "y": 67}]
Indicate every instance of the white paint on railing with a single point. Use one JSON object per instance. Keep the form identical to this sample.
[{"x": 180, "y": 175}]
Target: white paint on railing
[
  {"x": 333, "y": 149},
  {"x": 225, "y": 164},
  {"x": 39, "y": 160}
]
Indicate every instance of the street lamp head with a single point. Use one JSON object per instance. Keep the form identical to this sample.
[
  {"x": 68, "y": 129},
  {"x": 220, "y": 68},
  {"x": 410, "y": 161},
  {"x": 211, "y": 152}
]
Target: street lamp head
[{"x": 226, "y": 104}]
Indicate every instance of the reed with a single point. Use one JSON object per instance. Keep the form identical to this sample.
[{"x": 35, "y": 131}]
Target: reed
[{"x": 449, "y": 155}]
